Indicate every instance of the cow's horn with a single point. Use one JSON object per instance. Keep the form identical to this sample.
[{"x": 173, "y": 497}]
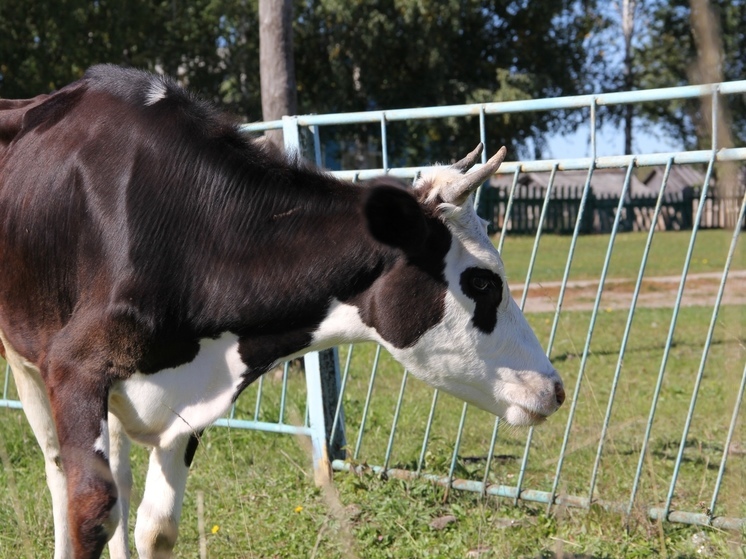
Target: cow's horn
[
  {"x": 458, "y": 191},
  {"x": 468, "y": 162}
]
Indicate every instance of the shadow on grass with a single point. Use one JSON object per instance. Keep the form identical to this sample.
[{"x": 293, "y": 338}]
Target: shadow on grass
[{"x": 571, "y": 355}]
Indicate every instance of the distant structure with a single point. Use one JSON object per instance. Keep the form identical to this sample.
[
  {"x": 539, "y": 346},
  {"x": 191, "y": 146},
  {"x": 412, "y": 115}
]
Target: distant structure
[{"x": 681, "y": 199}]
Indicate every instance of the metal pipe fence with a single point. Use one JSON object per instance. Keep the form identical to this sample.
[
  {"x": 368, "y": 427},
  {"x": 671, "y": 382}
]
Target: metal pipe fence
[{"x": 653, "y": 426}]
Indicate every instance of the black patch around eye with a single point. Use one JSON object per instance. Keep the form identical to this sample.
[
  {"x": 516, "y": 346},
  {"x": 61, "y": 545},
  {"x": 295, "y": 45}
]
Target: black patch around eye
[{"x": 485, "y": 288}]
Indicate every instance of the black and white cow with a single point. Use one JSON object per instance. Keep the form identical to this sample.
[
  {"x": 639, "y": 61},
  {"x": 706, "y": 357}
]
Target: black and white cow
[{"x": 154, "y": 262}]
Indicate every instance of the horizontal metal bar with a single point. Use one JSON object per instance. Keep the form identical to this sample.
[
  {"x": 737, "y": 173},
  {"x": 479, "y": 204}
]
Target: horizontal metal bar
[
  {"x": 222, "y": 422},
  {"x": 263, "y": 426},
  {"x": 13, "y": 404},
  {"x": 578, "y": 164},
  {"x": 721, "y": 522},
  {"x": 525, "y": 105}
]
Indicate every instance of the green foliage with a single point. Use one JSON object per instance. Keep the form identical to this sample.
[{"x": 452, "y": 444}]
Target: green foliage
[
  {"x": 210, "y": 45},
  {"x": 370, "y": 54},
  {"x": 349, "y": 56},
  {"x": 664, "y": 54},
  {"x": 414, "y": 53}
]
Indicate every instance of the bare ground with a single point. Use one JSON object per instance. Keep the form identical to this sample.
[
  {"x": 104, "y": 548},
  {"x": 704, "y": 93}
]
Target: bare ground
[{"x": 700, "y": 290}]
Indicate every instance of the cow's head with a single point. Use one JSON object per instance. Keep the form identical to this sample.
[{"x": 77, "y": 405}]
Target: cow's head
[{"x": 443, "y": 309}]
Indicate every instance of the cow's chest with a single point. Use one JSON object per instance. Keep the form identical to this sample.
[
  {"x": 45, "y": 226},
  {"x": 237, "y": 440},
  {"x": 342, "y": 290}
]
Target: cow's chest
[{"x": 157, "y": 408}]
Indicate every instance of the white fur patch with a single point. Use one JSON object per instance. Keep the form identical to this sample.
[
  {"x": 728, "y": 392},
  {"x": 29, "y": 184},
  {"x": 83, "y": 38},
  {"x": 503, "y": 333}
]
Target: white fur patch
[
  {"x": 156, "y": 93},
  {"x": 155, "y": 409},
  {"x": 102, "y": 442}
]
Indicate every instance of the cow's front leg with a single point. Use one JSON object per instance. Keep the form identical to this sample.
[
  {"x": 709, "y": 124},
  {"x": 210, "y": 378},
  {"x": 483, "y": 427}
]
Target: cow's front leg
[
  {"x": 79, "y": 403},
  {"x": 158, "y": 515},
  {"x": 119, "y": 461}
]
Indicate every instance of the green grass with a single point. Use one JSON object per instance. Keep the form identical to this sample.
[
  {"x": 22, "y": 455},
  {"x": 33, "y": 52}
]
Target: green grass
[
  {"x": 260, "y": 500},
  {"x": 667, "y": 255}
]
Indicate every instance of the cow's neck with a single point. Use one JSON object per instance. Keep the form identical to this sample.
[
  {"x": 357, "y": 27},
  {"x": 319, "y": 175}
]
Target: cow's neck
[{"x": 296, "y": 254}]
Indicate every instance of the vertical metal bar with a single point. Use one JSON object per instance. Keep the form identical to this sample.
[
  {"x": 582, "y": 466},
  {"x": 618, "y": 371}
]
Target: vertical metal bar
[
  {"x": 342, "y": 387},
  {"x": 669, "y": 339},
  {"x": 483, "y": 133},
  {"x": 456, "y": 446},
  {"x": 316, "y": 421},
  {"x": 591, "y": 328},
  {"x": 490, "y": 454},
  {"x": 703, "y": 361},
  {"x": 714, "y": 117},
  {"x": 576, "y": 231},
  {"x": 593, "y": 129},
  {"x": 426, "y": 437},
  {"x": 384, "y": 146},
  {"x": 283, "y": 394},
  {"x": 314, "y": 395},
  {"x": 5, "y": 384},
  {"x": 316, "y": 133},
  {"x": 291, "y": 134},
  {"x": 258, "y": 398},
  {"x": 367, "y": 403},
  {"x": 535, "y": 249},
  {"x": 728, "y": 439},
  {"x": 529, "y": 273},
  {"x": 483, "y": 139},
  {"x": 334, "y": 417},
  {"x": 508, "y": 209},
  {"x": 627, "y": 329},
  {"x": 395, "y": 421},
  {"x": 734, "y": 417},
  {"x": 570, "y": 254},
  {"x": 563, "y": 285}
]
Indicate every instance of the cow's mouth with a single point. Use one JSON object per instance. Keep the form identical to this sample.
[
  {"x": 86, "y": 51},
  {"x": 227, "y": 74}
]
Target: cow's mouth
[{"x": 523, "y": 417}]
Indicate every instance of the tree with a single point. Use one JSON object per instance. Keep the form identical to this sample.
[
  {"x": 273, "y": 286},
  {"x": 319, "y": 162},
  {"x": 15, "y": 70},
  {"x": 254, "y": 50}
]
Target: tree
[
  {"x": 210, "y": 45},
  {"x": 667, "y": 57},
  {"x": 628, "y": 12},
  {"x": 276, "y": 62},
  {"x": 373, "y": 54}
]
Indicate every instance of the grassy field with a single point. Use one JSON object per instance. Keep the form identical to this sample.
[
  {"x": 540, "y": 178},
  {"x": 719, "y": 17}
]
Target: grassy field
[{"x": 260, "y": 500}]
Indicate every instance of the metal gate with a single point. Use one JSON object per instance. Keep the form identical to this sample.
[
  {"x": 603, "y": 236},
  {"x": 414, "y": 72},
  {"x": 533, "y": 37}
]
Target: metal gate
[{"x": 600, "y": 450}]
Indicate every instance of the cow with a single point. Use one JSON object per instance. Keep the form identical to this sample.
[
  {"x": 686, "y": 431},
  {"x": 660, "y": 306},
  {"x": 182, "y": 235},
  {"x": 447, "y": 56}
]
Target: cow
[{"x": 154, "y": 262}]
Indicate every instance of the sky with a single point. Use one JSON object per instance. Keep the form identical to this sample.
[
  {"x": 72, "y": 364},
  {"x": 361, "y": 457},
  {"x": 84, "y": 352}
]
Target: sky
[{"x": 609, "y": 141}]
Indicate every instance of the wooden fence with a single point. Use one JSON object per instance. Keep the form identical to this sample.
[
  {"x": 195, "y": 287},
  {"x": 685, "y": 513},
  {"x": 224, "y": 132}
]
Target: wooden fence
[{"x": 677, "y": 213}]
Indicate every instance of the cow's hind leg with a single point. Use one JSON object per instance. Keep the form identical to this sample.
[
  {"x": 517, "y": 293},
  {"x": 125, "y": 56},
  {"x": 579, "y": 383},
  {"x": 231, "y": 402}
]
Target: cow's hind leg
[
  {"x": 33, "y": 397},
  {"x": 158, "y": 515}
]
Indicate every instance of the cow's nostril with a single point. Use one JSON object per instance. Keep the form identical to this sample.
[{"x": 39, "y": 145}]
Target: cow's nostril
[{"x": 559, "y": 392}]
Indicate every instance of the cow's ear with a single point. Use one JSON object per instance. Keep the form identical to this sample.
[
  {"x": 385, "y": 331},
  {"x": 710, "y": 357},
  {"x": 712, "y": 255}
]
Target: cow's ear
[{"x": 393, "y": 215}]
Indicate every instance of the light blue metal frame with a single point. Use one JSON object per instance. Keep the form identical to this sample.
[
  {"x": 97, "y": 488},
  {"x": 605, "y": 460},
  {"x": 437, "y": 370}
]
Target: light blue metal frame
[{"x": 315, "y": 426}]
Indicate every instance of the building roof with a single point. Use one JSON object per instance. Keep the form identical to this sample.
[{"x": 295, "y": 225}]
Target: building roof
[
  {"x": 609, "y": 182},
  {"x": 604, "y": 182}
]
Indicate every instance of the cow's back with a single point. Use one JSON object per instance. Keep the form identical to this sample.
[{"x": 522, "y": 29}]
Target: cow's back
[{"x": 74, "y": 168}]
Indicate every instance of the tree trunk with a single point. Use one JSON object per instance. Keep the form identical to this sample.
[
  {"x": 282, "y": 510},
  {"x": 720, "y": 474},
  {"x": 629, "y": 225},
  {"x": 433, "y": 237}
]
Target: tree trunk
[
  {"x": 276, "y": 65},
  {"x": 628, "y": 26}
]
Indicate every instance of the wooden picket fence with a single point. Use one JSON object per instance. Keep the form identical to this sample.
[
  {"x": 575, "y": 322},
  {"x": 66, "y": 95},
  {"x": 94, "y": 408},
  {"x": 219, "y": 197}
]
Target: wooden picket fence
[{"x": 677, "y": 213}]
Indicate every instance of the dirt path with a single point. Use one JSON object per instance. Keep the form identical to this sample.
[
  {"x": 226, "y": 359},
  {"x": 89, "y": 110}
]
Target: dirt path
[{"x": 700, "y": 289}]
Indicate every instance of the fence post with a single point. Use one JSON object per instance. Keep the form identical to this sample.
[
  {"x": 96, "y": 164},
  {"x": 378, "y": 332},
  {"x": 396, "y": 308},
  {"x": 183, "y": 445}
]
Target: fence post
[{"x": 322, "y": 372}]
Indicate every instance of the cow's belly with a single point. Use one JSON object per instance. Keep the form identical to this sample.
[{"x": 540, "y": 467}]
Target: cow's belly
[{"x": 157, "y": 408}]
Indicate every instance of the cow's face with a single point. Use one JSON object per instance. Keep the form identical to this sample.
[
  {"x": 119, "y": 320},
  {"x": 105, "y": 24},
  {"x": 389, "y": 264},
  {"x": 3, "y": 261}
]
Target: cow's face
[{"x": 444, "y": 309}]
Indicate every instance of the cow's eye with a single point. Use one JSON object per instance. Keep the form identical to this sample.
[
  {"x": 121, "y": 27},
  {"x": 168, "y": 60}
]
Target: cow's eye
[{"x": 481, "y": 284}]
